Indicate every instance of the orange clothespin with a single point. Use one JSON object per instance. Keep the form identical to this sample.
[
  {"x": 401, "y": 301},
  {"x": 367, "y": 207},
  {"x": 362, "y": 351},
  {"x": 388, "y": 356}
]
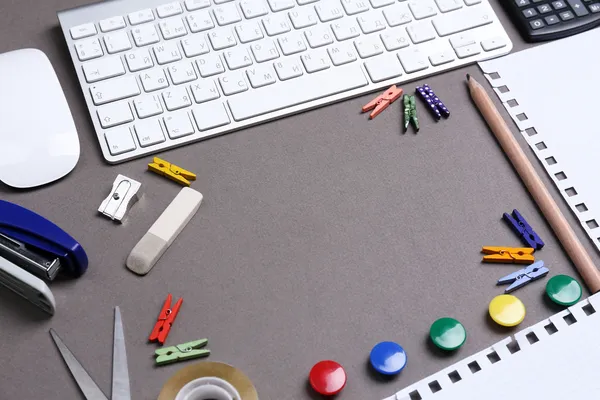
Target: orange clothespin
[
  {"x": 165, "y": 320},
  {"x": 382, "y": 101},
  {"x": 172, "y": 171},
  {"x": 516, "y": 255}
]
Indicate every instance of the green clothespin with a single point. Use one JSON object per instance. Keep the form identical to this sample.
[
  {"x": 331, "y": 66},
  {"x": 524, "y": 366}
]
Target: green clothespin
[
  {"x": 182, "y": 352},
  {"x": 413, "y": 112},
  {"x": 406, "y": 112}
]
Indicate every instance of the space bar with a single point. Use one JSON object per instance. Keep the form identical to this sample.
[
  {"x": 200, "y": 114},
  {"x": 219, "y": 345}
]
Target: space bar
[{"x": 296, "y": 91}]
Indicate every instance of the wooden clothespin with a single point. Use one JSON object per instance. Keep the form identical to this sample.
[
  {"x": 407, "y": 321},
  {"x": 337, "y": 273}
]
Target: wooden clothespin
[
  {"x": 521, "y": 227},
  {"x": 516, "y": 255},
  {"x": 172, "y": 171},
  {"x": 382, "y": 101},
  {"x": 181, "y": 352},
  {"x": 165, "y": 320}
]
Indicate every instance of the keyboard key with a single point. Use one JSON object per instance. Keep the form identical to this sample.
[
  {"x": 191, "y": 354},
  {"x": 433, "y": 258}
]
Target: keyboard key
[
  {"x": 355, "y": 6},
  {"x": 551, "y": 20},
  {"x": 544, "y": 8},
  {"x": 493, "y": 43},
  {"x": 200, "y": 21},
  {"x": 103, "y": 68},
  {"x": 529, "y": 12},
  {"x": 559, "y": 5},
  {"x": 472, "y": 2},
  {"x": 449, "y": 5},
  {"x": 210, "y": 115},
  {"x": 204, "y": 90},
  {"x": 371, "y": 22},
  {"x": 237, "y": 58},
  {"x": 193, "y": 5},
  {"x": 167, "y": 52},
  {"x": 296, "y": 91},
  {"x": 303, "y": 2},
  {"x": 176, "y": 98},
  {"x": 147, "y": 106},
  {"x": 117, "y": 42},
  {"x": 253, "y": 8},
  {"x": 315, "y": 61},
  {"x": 578, "y": 7},
  {"x": 303, "y": 17},
  {"x": 368, "y": 46},
  {"x": 210, "y": 65},
  {"x": 149, "y": 132},
  {"x": 119, "y": 141},
  {"x": 182, "y": 72},
  {"x": 194, "y": 45},
  {"x": 328, "y": 10},
  {"x": 178, "y": 125},
  {"x": 536, "y": 24},
  {"x": 462, "y": 39},
  {"x": 222, "y": 38},
  {"x": 276, "y": 24},
  {"x": 88, "y": 49},
  {"x": 139, "y": 17},
  {"x": 473, "y": 17},
  {"x": 138, "y": 60},
  {"x": 345, "y": 28},
  {"x": 112, "y": 24},
  {"x": 422, "y": 8},
  {"x": 288, "y": 69},
  {"x": 441, "y": 58},
  {"x": 168, "y": 10},
  {"x": 595, "y": 8},
  {"x": 318, "y": 36},
  {"x": 291, "y": 43},
  {"x": 342, "y": 53},
  {"x": 261, "y": 75},
  {"x": 114, "y": 89},
  {"x": 468, "y": 51},
  {"x": 413, "y": 60},
  {"x": 144, "y": 35},
  {"x": 249, "y": 32},
  {"x": 380, "y": 3},
  {"x": 154, "y": 80},
  {"x": 172, "y": 28},
  {"x": 421, "y": 32},
  {"x": 280, "y": 5},
  {"x": 226, "y": 14},
  {"x": 566, "y": 15},
  {"x": 383, "y": 67},
  {"x": 265, "y": 50},
  {"x": 522, "y": 3},
  {"x": 397, "y": 14},
  {"x": 394, "y": 39},
  {"x": 114, "y": 114},
  {"x": 83, "y": 31}
]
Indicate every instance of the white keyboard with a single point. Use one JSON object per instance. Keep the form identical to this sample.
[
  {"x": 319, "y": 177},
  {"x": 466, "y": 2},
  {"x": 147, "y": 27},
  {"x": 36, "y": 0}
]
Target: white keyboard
[{"x": 158, "y": 75}]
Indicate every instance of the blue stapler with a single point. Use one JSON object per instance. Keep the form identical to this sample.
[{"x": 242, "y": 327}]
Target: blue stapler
[{"x": 38, "y": 246}]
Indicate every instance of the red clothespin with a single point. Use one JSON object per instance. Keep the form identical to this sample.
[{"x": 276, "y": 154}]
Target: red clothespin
[
  {"x": 165, "y": 320},
  {"x": 382, "y": 101}
]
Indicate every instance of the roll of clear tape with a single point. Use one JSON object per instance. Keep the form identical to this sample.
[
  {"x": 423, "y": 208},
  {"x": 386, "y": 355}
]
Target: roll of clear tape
[{"x": 208, "y": 388}]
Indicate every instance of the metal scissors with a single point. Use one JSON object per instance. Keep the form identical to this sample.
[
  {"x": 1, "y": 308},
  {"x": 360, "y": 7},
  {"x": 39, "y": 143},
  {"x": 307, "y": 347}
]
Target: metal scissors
[{"x": 120, "y": 373}]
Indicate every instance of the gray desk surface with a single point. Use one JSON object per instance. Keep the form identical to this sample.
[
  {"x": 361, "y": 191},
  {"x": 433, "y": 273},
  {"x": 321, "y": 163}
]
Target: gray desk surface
[{"x": 319, "y": 235}]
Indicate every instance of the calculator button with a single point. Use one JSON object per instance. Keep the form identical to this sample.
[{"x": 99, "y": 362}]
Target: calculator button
[
  {"x": 567, "y": 15},
  {"x": 578, "y": 7},
  {"x": 595, "y": 8},
  {"x": 522, "y": 3},
  {"x": 536, "y": 24},
  {"x": 558, "y": 5},
  {"x": 529, "y": 12},
  {"x": 551, "y": 20},
  {"x": 545, "y": 8}
]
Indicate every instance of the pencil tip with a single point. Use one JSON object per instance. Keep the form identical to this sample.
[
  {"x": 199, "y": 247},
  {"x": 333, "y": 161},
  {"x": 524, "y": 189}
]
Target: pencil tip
[{"x": 468, "y": 77}]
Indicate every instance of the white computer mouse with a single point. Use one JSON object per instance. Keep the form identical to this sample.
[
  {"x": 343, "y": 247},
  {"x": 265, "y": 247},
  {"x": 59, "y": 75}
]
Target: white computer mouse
[{"x": 38, "y": 138}]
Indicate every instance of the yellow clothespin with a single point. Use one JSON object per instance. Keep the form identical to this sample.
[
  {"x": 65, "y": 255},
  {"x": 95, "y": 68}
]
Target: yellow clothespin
[
  {"x": 516, "y": 255},
  {"x": 171, "y": 171}
]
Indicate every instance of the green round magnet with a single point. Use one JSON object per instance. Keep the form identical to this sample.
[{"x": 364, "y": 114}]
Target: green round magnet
[
  {"x": 447, "y": 334},
  {"x": 563, "y": 290}
]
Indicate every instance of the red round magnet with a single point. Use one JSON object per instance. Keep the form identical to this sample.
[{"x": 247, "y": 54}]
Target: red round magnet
[{"x": 327, "y": 377}]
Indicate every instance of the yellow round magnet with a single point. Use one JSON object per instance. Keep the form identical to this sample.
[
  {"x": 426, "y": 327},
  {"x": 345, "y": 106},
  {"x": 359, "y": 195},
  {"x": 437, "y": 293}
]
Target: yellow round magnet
[{"x": 507, "y": 310}]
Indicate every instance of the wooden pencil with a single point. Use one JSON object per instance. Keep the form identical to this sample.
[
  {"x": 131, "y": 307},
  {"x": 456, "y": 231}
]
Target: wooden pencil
[{"x": 584, "y": 264}]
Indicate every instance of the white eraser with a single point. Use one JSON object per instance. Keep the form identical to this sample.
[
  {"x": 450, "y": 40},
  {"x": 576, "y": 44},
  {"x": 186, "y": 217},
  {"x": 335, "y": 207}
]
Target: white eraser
[{"x": 164, "y": 231}]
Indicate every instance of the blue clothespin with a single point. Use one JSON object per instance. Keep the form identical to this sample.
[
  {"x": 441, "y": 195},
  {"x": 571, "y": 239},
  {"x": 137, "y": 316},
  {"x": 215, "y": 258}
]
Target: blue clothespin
[
  {"x": 37, "y": 245},
  {"x": 523, "y": 276},
  {"x": 520, "y": 226}
]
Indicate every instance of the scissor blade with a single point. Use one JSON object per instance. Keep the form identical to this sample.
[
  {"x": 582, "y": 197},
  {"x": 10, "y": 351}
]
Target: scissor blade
[
  {"x": 88, "y": 387},
  {"x": 120, "y": 373}
]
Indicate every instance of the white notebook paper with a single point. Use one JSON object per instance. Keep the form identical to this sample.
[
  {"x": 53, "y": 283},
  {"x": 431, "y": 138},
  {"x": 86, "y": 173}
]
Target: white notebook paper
[
  {"x": 555, "y": 359},
  {"x": 556, "y": 86}
]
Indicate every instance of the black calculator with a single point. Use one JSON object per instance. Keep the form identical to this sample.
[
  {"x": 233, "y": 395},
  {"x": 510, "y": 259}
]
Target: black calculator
[{"x": 540, "y": 20}]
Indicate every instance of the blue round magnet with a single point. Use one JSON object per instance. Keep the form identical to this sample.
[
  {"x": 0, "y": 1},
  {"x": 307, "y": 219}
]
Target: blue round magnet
[{"x": 388, "y": 358}]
